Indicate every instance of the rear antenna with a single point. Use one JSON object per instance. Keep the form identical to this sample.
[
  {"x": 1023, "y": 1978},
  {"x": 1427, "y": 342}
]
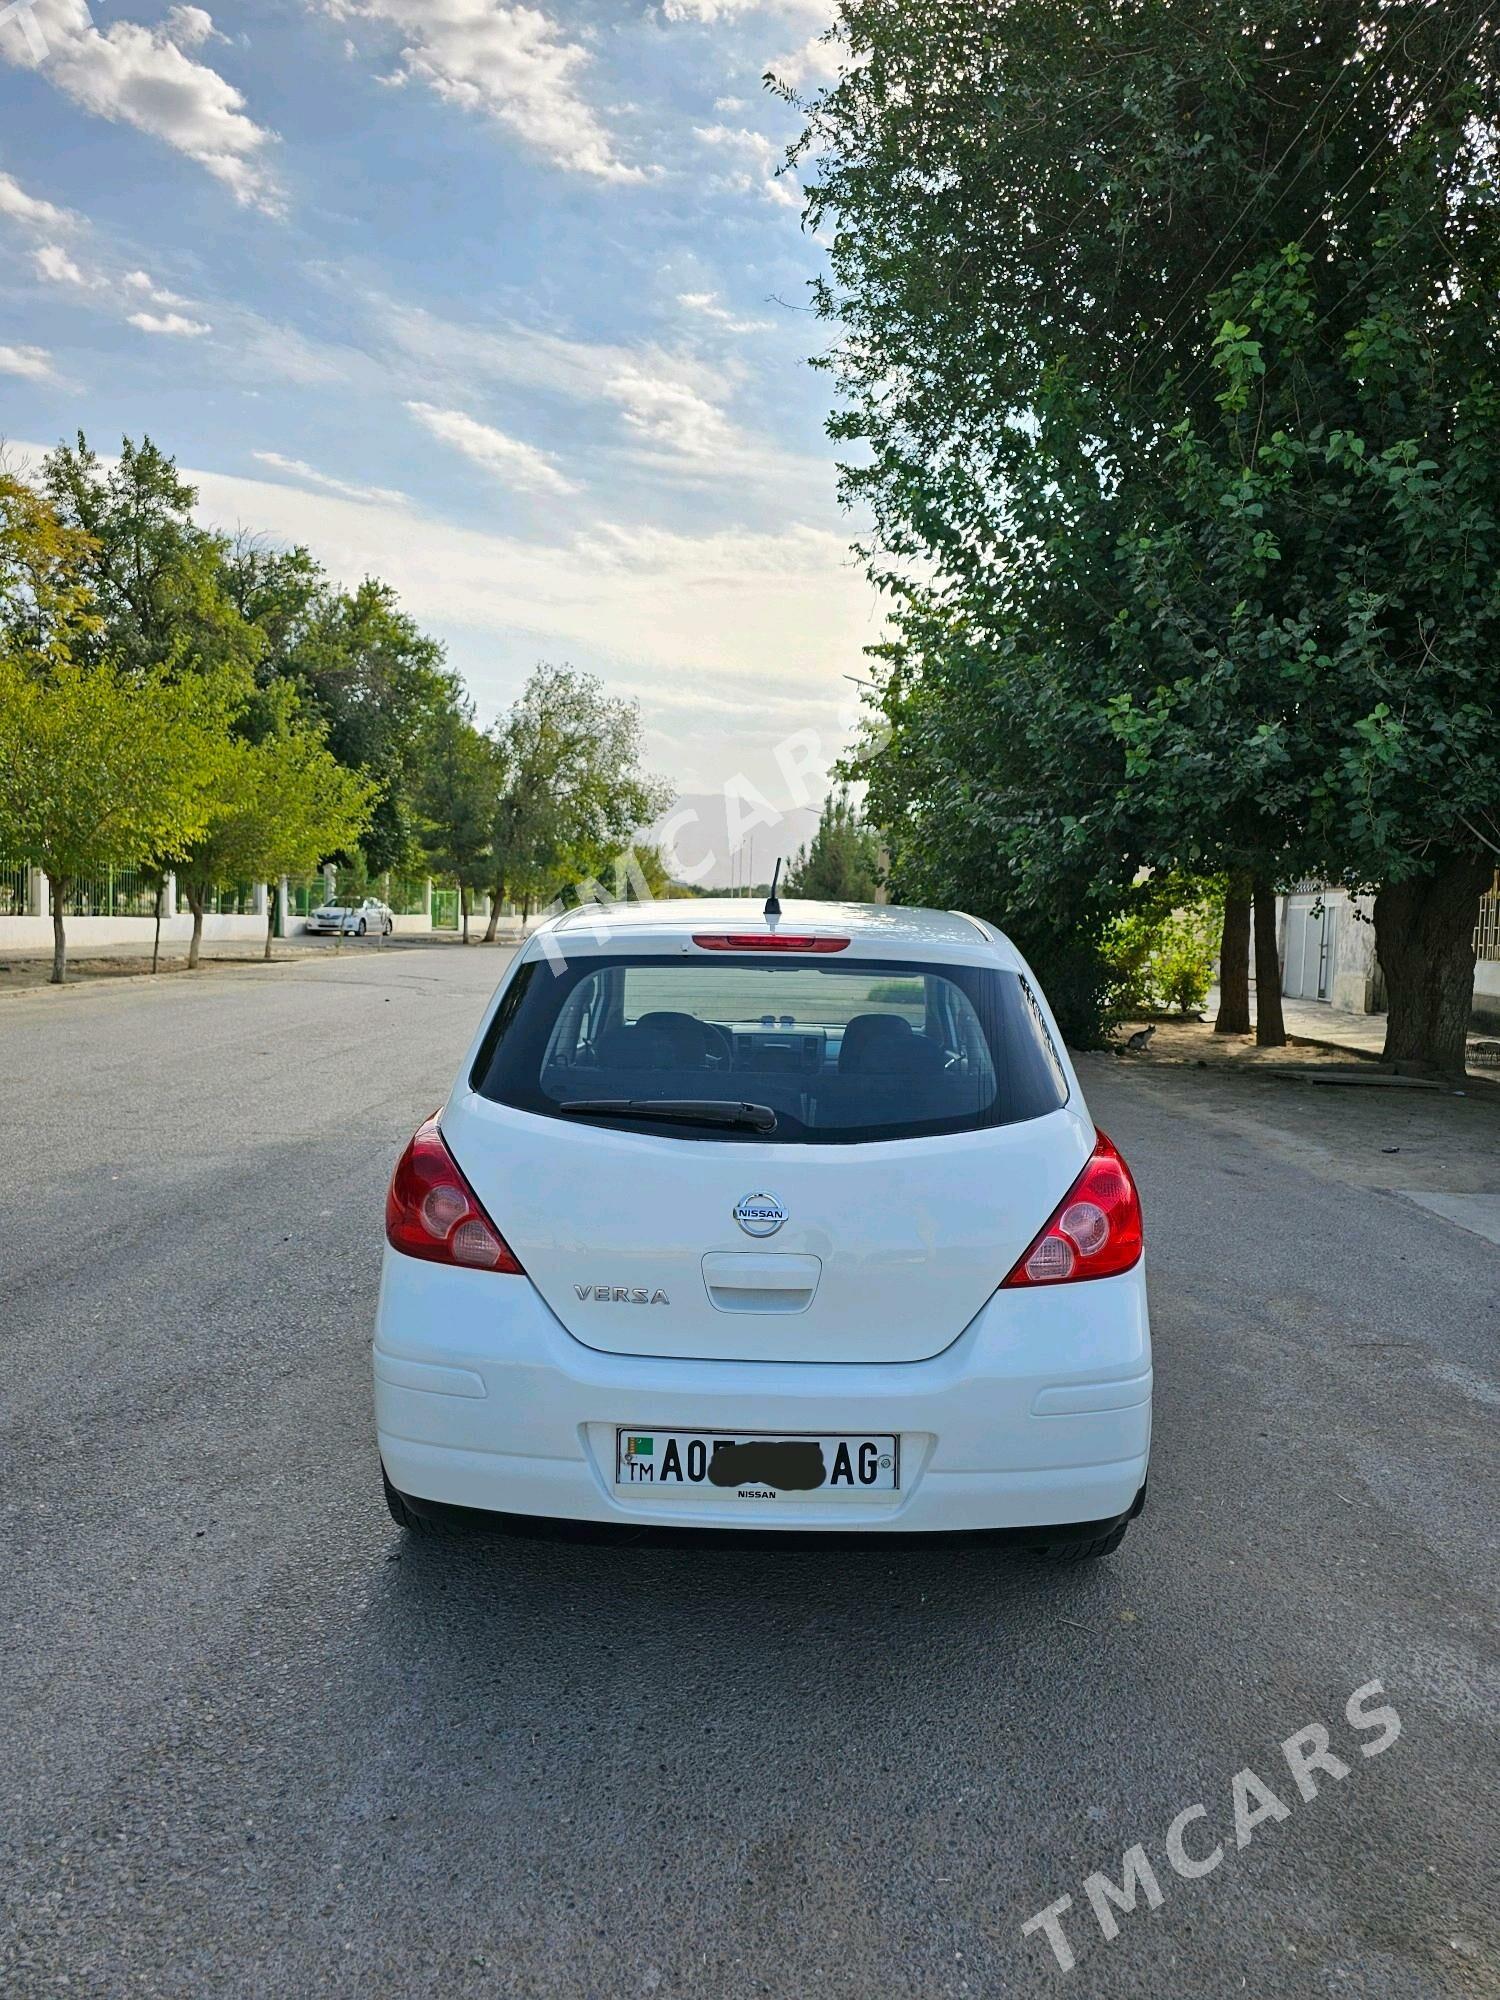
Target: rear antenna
[{"x": 773, "y": 906}]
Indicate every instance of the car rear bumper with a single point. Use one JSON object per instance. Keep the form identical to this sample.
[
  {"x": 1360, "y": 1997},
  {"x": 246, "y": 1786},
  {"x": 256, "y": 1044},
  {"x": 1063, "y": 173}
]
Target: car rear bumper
[{"x": 1038, "y": 1415}]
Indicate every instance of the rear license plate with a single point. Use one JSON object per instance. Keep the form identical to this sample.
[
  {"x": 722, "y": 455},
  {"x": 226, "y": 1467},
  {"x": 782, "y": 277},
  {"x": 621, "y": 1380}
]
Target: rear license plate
[{"x": 752, "y": 1465}]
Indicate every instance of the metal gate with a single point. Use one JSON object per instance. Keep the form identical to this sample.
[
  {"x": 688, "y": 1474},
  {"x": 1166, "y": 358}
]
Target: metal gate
[{"x": 1311, "y": 927}]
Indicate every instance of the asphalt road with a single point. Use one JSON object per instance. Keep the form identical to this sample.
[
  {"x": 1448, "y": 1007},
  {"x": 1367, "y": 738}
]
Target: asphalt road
[{"x": 252, "y": 1744}]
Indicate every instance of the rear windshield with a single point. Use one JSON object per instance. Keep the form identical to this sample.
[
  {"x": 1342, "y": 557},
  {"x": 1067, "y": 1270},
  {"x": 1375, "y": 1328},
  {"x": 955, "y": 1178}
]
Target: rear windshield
[{"x": 841, "y": 1053}]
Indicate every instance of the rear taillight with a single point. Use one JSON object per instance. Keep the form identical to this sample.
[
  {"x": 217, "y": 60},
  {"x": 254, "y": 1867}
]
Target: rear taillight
[
  {"x": 432, "y": 1212},
  {"x": 1095, "y": 1230},
  {"x": 766, "y": 941}
]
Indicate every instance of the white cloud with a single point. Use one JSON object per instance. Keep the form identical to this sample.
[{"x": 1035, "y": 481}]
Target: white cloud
[
  {"x": 55, "y": 265},
  {"x": 819, "y": 60},
  {"x": 142, "y": 281},
  {"x": 722, "y": 556},
  {"x": 714, "y": 605},
  {"x": 20, "y": 206},
  {"x": 297, "y": 468},
  {"x": 170, "y": 323},
  {"x": 761, "y": 156},
  {"x": 116, "y": 288},
  {"x": 729, "y": 10},
  {"x": 688, "y": 622},
  {"x": 670, "y": 414},
  {"x": 509, "y": 459},
  {"x": 528, "y": 357},
  {"x": 509, "y": 63},
  {"x": 144, "y": 77},
  {"x": 33, "y": 363},
  {"x": 672, "y": 403},
  {"x": 708, "y": 305},
  {"x": 191, "y": 27}
]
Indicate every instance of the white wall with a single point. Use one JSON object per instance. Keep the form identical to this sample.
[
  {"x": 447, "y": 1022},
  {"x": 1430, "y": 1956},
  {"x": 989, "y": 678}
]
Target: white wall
[
  {"x": 1354, "y": 971},
  {"x": 1343, "y": 920},
  {"x": 1487, "y": 993},
  {"x": 87, "y": 934}
]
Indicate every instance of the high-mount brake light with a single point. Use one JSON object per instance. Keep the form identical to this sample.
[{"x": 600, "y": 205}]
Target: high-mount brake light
[
  {"x": 767, "y": 941},
  {"x": 432, "y": 1212},
  {"x": 1094, "y": 1232}
]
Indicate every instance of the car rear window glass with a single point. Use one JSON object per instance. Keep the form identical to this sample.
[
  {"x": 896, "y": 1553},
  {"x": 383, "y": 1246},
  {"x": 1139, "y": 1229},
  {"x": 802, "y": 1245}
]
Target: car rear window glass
[{"x": 843, "y": 1052}]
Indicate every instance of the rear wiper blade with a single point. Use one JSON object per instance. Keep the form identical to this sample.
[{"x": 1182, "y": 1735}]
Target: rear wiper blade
[{"x": 680, "y": 1110}]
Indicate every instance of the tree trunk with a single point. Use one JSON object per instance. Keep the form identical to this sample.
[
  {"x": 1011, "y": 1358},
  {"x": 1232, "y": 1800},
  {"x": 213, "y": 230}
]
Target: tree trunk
[
  {"x": 270, "y": 919},
  {"x": 497, "y": 896},
  {"x": 463, "y": 905},
  {"x": 161, "y": 890},
  {"x": 59, "y": 935},
  {"x": 195, "y": 903},
  {"x": 1424, "y": 933},
  {"x": 1270, "y": 1028},
  {"x": 1233, "y": 1017}
]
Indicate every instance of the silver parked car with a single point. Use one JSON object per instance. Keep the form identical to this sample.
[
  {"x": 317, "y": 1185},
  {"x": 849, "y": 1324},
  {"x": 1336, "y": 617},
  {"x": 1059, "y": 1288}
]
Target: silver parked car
[{"x": 352, "y": 919}]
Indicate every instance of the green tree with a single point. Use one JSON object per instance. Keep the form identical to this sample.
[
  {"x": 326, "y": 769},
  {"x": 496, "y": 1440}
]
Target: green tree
[
  {"x": 282, "y": 592},
  {"x": 281, "y": 803},
  {"x": 637, "y": 873},
  {"x": 456, "y": 795},
  {"x": 378, "y": 682},
  {"x": 156, "y": 577},
  {"x": 1163, "y": 950},
  {"x": 1334, "y": 572},
  {"x": 841, "y": 863},
  {"x": 47, "y": 610},
  {"x": 1167, "y": 344},
  {"x": 101, "y": 768},
  {"x": 169, "y": 592},
  {"x": 574, "y": 792},
  {"x": 646, "y": 876}
]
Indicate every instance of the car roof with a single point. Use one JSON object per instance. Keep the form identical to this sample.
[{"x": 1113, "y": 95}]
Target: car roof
[{"x": 876, "y": 929}]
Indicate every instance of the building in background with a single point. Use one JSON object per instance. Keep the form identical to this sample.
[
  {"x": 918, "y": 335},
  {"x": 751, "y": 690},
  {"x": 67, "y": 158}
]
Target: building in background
[{"x": 1327, "y": 942}]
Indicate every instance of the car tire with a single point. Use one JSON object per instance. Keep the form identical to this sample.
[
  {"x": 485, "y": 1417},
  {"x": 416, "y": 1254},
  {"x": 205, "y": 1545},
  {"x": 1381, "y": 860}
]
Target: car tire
[
  {"x": 390, "y": 930},
  {"x": 1067, "y": 1553},
  {"x": 404, "y": 1516}
]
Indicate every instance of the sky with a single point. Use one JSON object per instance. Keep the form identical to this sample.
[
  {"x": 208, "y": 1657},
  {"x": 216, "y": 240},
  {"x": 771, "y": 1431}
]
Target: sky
[{"x": 505, "y": 304}]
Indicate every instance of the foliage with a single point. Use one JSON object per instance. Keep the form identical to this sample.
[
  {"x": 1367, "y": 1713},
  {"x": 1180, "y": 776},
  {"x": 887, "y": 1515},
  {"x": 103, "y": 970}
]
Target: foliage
[
  {"x": 1164, "y": 952},
  {"x": 338, "y": 732},
  {"x": 1336, "y": 585},
  {"x": 156, "y": 577},
  {"x": 636, "y": 874},
  {"x": 841, "y": 863},
  {"x": 1169, "y": 368},
  {"x": 574, "y": 792},
  {"x": 456, "y": 798},
  {"x": 281, "y": 803},
  {"x": 47, "y": 610},
  {"x": 101, "y": 767},
  {"x": 169, "y": 592},
  {"x": 378, "y": 682}
]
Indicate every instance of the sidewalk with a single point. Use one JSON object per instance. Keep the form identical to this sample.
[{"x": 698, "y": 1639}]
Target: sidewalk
[
  {"x": 1325, "y": 1027},
  {"x": 1332, "y": 1027},
  {"x": 26, "y": 967}
]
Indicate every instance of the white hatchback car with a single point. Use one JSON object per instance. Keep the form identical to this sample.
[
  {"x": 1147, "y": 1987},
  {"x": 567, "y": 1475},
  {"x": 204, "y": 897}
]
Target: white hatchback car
[{"x": 791, "y": 1222}]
